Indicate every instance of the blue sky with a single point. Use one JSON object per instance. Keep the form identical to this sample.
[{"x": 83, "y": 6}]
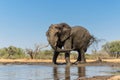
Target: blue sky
[{"x": 25, "y": 22}]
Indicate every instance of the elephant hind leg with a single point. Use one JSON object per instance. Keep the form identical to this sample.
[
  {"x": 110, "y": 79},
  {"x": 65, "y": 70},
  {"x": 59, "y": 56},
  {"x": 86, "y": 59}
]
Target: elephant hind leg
[{"x": 81, "y": 57}]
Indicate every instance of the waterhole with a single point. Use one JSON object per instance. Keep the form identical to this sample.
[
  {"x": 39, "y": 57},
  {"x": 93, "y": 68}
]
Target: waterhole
[{"x": 44, "y": 72}]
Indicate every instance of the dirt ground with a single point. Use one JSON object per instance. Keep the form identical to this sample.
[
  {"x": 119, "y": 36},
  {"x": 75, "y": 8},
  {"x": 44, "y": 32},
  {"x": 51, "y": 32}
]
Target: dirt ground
[
  {"x": 108, "y": 62},
  {"x": 117, "y": 77}
]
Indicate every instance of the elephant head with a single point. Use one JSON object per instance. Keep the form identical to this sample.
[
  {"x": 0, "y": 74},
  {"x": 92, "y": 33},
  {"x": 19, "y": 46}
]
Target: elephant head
[{"x": 57, "y": 34}]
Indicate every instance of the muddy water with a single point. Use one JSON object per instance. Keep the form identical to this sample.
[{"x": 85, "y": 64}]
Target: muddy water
[{"x": 43, "y": 72}]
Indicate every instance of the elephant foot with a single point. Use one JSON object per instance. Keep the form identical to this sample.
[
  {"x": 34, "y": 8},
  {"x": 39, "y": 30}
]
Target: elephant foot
[
  {"x": 69, "y": 64},
  {"x": 55, "y": 62},
  {"x": 79, "y": 62},
  {"x": 59, "y": 63}
]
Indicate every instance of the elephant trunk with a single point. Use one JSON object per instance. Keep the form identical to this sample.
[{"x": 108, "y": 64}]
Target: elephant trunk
[
  {"x": 57, "y": 49},
  {"x": 53, "y": 44}
]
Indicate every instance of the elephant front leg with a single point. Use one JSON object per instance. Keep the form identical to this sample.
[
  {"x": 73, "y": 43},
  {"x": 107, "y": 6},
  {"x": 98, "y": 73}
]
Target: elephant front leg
[
  {"x": 67, "y": 58},
  {"x": 55, "y": 55}
]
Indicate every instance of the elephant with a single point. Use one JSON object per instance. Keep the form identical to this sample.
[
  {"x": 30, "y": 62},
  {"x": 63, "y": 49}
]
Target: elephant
[{"x": 64, "y": 38}]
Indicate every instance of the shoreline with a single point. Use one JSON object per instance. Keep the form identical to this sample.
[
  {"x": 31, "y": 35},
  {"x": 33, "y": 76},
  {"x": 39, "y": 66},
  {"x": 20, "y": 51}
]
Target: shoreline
[
  {"x": 59, "y": 61},
  {"x": 48, "y": 60},
  {"x": 105, "y": 62}
]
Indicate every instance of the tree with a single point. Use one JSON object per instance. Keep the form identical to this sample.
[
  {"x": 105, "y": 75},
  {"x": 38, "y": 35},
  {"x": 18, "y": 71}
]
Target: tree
[
  {"x": 113, "y": 48},
  {"x": 30, "y": 52},
  {"x": 34, "y": 52}
]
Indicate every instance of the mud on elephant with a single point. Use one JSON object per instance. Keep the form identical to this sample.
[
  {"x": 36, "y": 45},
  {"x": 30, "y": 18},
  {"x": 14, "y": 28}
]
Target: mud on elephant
[{"x": 64, "y": 38}]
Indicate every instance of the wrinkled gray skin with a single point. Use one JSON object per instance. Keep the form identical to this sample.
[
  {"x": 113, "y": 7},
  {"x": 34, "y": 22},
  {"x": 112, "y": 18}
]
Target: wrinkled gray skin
[{"x": 64, "y": 38}]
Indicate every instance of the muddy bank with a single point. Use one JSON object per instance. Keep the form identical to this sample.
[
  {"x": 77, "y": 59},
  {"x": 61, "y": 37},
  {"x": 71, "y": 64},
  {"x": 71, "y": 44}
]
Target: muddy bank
[{"x": 117, "y": 77}]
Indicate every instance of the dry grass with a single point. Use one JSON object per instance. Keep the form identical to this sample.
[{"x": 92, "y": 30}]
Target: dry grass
[
  {"x": 24, "y": 60},
  {"x": 112, "y": 60}
]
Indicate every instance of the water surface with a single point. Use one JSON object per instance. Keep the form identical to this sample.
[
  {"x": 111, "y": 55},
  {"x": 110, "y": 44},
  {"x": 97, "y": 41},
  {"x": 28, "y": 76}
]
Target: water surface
[{"x": 43, "y": 72}]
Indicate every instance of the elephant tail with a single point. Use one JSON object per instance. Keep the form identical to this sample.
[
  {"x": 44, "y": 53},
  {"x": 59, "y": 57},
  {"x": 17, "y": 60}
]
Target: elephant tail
[{"x": 93, "y": 40}]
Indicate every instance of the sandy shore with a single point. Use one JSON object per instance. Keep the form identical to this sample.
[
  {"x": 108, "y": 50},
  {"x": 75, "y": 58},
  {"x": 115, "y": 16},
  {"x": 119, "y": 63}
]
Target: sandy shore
[
  {"x": 50, "y": 61},
  {"x": 117, "y": 77}
]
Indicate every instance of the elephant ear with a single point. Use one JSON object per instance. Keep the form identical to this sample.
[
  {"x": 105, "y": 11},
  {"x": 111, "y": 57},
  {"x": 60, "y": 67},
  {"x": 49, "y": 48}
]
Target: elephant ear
[
  {"x": 66, "y": 30},
  {"x": 47, "y": 33}
]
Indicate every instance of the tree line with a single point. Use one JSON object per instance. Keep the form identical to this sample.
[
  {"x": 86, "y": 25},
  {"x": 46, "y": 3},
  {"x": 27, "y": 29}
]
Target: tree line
[{"x": 111, "y": 48}]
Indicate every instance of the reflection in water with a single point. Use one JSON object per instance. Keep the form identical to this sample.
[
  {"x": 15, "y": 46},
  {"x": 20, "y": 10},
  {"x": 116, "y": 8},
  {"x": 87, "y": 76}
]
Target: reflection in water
[
  {"x": 56, "y": 73},
  {"x": 67, "y": 73},
  {"x": 62, "y": 72},
  {"x": 81, "y": 71}
]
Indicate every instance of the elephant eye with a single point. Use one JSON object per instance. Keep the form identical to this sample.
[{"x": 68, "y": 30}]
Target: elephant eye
[{"x": 56, "y": 34}]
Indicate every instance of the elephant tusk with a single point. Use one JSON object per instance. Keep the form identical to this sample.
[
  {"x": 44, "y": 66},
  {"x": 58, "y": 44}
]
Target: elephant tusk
[{"x": 63, "y": 50}]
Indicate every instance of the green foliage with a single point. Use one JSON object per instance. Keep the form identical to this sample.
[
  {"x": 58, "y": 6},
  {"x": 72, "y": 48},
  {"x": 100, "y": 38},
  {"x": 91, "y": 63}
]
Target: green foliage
[
  {"x": 12, "y": 52},
  {"x": 46, "y": 54},
  {"x": 113, "y": 46},
  {"x": 74, "y": 55}
]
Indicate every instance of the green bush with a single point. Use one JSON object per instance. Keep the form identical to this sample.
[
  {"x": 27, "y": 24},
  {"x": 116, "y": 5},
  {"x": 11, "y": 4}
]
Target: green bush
[
  {"x": 12, "y": 53},
  {"x": 112, "y": 48}
]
